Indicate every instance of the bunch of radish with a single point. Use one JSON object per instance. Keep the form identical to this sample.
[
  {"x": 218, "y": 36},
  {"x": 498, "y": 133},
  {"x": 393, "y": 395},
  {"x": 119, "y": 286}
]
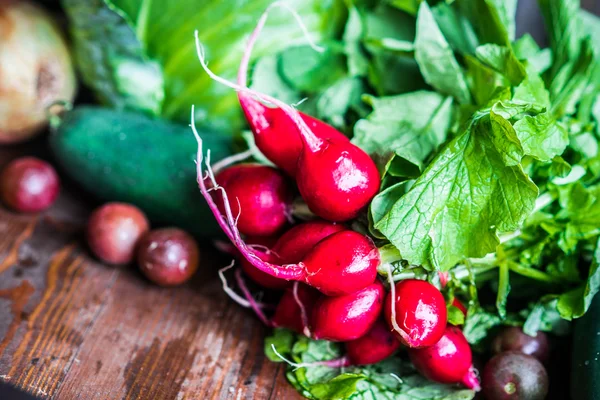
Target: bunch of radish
[{"x": 328, "y": 272}]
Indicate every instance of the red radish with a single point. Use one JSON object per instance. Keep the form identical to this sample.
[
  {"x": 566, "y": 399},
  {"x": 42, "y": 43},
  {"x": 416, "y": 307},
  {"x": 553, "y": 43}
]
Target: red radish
[
  {"x": 295, "y": 308},
  {"x": 347, "y": 317},
  {"x": 289, "y": 249},
  {"x": 260, "y": 195},
  {"x": 375, "y": 346},
  {"x": 342, "y": 263},
  {"x": 335, "y": 178},
  {"x": 114, "y": 230},
  {"x": 168, "y": 256},
  {"x": 275, "y": 133},
  {"x": 416, "y": 311},
  {"x": 29, "y": 184},
  {"x": 447, "y": 361},
  {"x": 263, "y": 279},
  {"x": 298, "y": 241}
]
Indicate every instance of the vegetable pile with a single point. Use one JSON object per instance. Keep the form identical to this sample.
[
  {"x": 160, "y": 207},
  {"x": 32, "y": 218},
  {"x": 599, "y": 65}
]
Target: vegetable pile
[{"x": 471, "y": 178}]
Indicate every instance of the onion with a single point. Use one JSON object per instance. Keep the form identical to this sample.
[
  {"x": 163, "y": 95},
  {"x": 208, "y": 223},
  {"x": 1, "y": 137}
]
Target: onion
[{"x": 35, "y": 70}]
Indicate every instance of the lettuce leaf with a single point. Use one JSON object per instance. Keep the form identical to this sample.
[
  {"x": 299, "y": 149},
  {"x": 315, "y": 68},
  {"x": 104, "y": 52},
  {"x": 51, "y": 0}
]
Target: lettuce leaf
[{"x": 140, "y": 54}]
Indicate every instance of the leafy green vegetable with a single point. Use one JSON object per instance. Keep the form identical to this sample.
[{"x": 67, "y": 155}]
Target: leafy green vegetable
[
  {"x": 407, "y": 137},
  {"x": 435, "y": 58},
  {"x": 502, "y": 60},
  {"x": 140, "y": 54},
  {"x": 394, "y": 378},
  {"x": 455, "y": 207},
  {"x": 112, "y": 61}
]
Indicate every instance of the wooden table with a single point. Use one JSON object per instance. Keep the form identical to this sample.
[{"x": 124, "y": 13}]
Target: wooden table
[{"x": 73, "y": 328}]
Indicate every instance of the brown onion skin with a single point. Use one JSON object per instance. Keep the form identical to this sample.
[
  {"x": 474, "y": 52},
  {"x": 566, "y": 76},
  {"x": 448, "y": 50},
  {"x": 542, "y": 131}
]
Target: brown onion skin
[
  {"x": 36, "y": 69},
  {"x": 168, "y": 257},
  {"x": 114, "y": 230},
  {"x": 29, "y": 185},
  {"x": 513, "y": 338}
]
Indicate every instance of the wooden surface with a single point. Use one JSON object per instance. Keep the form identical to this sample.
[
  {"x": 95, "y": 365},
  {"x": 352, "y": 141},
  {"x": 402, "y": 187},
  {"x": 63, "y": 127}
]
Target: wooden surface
[{"x": 73, "y": 328}]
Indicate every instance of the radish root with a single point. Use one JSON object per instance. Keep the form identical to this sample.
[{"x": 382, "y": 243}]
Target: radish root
[
  {"x": 228, "y": 161},
  {"x": 306, "y": 328},
  {"x": 230, "y": 292},
  {"x": 395, "y": 325},
  {"x": 229, "y": 224},
  {"x": 336, "y": 363},
  {"x": 253, "y": 304}
]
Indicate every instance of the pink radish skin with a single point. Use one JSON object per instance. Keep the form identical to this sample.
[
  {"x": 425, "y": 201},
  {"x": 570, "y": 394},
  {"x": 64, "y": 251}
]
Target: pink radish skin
[
  {"x": 447, "y": 361},
  {"x": 259, "y": 195},
  {"x": 347, "y": 317},
  {"x": 299, "y": 240},
  {"x": 262, "y": 244},
  {"x": 289, "y": 249},
  {"x": 375, "y": 346},
  {"x": 263, "y": 279},
  {"x": 336, "y": 178},
  {"x": 419, "y": 313},
  {"x": 275, "y": 133},
  {"x": 342, "y": 263},
  {"x": 294, "y": 310}
]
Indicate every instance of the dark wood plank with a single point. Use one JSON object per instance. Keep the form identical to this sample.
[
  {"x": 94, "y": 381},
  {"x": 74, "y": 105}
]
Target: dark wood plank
[{"x": 73, "y": 328}]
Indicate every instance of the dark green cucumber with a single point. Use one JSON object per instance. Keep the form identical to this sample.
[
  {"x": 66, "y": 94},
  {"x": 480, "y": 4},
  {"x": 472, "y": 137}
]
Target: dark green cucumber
[
  {"x": 585, "y": 371},
  {"x": 129, "y": 157}
]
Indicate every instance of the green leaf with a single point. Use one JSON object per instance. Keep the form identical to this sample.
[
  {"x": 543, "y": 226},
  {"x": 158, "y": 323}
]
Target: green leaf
[
  {"x": 335, "y": 101},
  {"x": 110, "y": 58},
  {"x": 507, "y": 12},
  {"x": 564, "y": 29},
  {"x": 266, "y": 79},
  {"x": 409, "y": 6},
  {"x": 541, "y": 136},
  {"x": 503, "y": 289},
  {"x": 392, "y": 379},
  {"x": 164, "y": 32},
  {"x": 282, "y": 340},
  {"x": 576, "y": 302},
  {"x": 478, "y": 323},
  {"x": 465, "y": 195},
  {"x": 532, "y": 90},
  {"x": 342, "y": 386},
  {"x": 455, "y": 316},
  {"x": 483, "y": 80},
  {"x": 571, "y": 81},
  {"x": 527, "y": 50},
  {"x": 408, "y": 127},
  {"x": 502, "y": 59},
  {"x": 307, "y": 70},
  {"x": 436, "y": 60},
  {"x": 358, "y": 63},
  {"x": 456, "y": 28},
  {"x": 545, "y": 317},
  {"x": 487, "y": 21}
]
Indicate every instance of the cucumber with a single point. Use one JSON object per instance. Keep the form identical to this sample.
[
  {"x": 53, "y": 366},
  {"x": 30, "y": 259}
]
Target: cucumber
[
  {"x": 585, "y": 369},
  {"x": 130, "y": 157}
]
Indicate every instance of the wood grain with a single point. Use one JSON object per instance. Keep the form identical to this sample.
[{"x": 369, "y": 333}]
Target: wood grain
[{"x": 73, "y": 328}]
